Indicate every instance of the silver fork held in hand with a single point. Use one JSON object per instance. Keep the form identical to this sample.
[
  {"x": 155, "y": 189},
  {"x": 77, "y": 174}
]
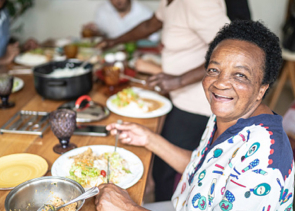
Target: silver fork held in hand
[{"x": 117, "y": 135}]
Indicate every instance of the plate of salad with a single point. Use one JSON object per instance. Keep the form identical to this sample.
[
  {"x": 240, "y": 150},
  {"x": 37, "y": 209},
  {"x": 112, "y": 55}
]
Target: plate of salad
[{"x": 89, "y": 166}]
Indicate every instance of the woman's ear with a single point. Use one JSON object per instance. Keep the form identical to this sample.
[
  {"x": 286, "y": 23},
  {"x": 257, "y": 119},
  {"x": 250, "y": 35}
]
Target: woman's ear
[{"x": 262, "y": 91}]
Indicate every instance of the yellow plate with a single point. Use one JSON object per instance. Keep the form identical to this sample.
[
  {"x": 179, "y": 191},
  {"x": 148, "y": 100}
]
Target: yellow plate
[{"x": 18, "y": 168}]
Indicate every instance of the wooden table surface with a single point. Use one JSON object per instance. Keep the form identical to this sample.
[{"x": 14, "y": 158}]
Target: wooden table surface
[{"x": 28, "y": 99}]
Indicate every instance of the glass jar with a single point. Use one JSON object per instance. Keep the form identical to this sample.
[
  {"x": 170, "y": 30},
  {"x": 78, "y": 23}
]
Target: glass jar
[{"x": 111, "y": 72}]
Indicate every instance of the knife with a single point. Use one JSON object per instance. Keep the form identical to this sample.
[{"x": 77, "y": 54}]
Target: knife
[{"x": 136, "y": 80}]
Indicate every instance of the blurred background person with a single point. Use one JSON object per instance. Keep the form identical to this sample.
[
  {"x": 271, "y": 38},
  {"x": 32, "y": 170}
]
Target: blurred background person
[
  {"x": 115, "y": 17},
  {"x": 188, "y": 26},
  {"x": 9, "y": 47},
  {"x": 7, "y": 51}
]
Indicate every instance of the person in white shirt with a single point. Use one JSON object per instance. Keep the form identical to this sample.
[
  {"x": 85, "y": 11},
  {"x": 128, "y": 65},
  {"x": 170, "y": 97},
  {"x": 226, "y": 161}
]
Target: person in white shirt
[{"x": 116, "y": 17}]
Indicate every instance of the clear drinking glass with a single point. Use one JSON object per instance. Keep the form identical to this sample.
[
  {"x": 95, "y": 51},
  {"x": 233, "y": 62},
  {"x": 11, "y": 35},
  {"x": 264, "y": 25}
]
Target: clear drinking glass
[
  {"x": 6, "y": 85},
  {"x": 63, "y": 123}
]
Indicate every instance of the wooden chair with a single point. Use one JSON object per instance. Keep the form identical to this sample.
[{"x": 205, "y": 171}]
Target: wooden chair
[{"x": 288, "y": 72}]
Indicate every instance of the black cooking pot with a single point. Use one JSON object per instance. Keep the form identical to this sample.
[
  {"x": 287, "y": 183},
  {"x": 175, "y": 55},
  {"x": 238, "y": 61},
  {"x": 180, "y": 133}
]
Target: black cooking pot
[{"x": 64, "y": 87}]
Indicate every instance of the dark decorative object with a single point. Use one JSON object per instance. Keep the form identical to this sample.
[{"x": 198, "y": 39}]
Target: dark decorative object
[
  {"x": 63, "y": 123},
  {"x": 6, "y": 84}
]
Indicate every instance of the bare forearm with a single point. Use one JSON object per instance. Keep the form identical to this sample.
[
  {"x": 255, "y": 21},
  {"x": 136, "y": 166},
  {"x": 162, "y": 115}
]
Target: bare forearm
[
  {"x": 141, "y": 31},
  {"x": 174, "y": 156},
  {"x": 193, "y": 76}
]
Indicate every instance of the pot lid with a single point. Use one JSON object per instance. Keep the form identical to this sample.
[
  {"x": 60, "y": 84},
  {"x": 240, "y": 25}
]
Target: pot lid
[{"x": 89, "y": 112}]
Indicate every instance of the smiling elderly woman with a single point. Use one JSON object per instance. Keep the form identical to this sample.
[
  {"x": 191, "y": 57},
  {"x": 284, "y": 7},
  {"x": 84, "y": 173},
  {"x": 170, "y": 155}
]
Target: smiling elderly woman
[{"x": 244, "y": 160}]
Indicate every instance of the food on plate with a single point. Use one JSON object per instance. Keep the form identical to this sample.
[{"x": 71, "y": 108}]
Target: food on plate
[
  {"x": 57, "y": 202},
  {"x": 129, "y": 100},
  {"x": 47, "y": 52},
  {"x": 30, "y": 58},
  {"x": 155, "y": 59},
  {"x": 90, "y": 169},
  {"x": 35, "y": 57}
]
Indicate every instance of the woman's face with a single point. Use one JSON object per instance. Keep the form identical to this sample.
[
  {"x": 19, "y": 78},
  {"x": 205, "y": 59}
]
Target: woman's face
[{"x": 233, "y": 79}]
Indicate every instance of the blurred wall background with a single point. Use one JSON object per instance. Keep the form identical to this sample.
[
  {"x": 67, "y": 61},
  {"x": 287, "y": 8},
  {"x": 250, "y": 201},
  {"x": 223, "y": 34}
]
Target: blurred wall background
[{"x": 63, "y": 18}]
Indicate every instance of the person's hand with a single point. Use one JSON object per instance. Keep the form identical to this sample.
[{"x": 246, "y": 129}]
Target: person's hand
[
  {"x": 132, "y": 133},
  {"x": 111, "y": 197},
  {"x": 12, "y": 51},
  {"x": 165, "y": 82},
  {"x": 147, "y": 66},
  {"x": 30, "y": 44},
  {"x": 90, "y": 30},
  {"x": 106, "y": 43}
]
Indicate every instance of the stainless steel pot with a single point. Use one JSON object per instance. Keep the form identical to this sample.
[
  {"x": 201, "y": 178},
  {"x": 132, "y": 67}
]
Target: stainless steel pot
[
  {"x": 62, "y": 88},
  {"x": 34, "y": 193}
]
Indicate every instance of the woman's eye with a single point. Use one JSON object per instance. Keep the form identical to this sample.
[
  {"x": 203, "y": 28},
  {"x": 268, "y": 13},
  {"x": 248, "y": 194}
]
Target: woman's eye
[
  {"x": 241, "y": 75},
  {"x": 212, "y": 71}
]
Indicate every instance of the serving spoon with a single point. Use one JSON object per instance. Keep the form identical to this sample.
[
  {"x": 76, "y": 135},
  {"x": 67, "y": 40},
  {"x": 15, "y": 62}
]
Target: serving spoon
[{"x": 89, "y": 193}]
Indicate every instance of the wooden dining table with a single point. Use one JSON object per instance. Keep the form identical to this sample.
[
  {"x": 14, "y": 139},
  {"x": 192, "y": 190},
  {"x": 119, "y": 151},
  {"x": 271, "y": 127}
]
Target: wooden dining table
[{"x": 28, "y": 99}]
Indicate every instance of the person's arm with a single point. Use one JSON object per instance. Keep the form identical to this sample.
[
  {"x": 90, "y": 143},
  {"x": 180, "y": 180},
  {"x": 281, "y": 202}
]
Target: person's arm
[
  {"x": 135, "y": 134},
  {"x": 142, "y": 30},
  {"x": 169, "y": 82},
  {"x": 12, "y": 51}
]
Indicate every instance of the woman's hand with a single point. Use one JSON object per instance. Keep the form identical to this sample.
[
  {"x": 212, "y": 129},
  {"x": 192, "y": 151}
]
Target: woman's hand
[
  {"x": 106, "y": 43},
  {"x": 133, "y": 134},
  {"x": 111, "y": 197},
  {"x": 165, "y": 82}
]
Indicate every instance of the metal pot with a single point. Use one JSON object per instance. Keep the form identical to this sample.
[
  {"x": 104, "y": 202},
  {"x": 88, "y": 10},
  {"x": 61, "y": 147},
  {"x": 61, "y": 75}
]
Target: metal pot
[
  {"x": 34, "y": 193},
  {"x": 62, "y": 88}
]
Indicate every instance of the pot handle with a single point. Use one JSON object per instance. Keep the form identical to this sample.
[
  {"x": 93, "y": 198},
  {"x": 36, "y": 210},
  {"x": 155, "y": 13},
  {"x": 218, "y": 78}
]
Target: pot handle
[{"x": 56, "y": 83}]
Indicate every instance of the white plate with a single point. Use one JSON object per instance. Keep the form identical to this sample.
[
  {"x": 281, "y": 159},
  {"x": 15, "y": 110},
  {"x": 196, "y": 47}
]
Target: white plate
[
  {"x": 62, "y": 165},
  {"x": 167, "y": 106},
  {"x": 18, "y": 84},
  {"x": 31, "y": 60}
]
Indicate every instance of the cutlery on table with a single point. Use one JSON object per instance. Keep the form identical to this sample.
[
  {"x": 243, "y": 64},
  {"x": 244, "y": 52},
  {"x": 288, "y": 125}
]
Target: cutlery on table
[
  {"x": 108, "y": 170},
  {"x": 89, "y": 193}
]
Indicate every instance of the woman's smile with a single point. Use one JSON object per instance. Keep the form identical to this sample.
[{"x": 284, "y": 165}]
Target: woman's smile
[
  {"x": 233, "y": 80},
  {"x": 221, "y": 98}
]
